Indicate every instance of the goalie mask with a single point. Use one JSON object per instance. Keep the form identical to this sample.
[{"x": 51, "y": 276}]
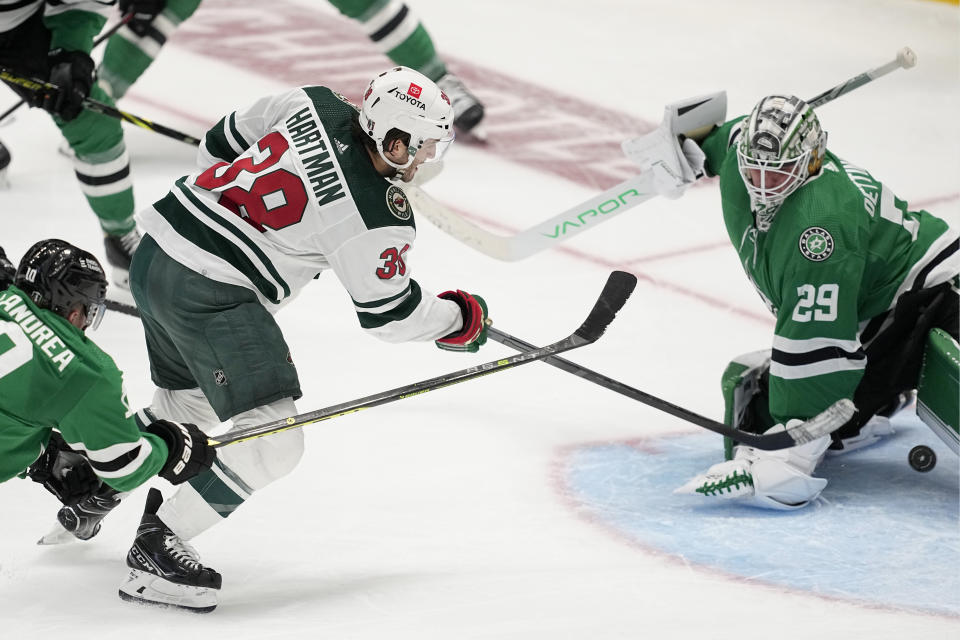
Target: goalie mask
[
  {"x": 781, "y": 145},
  {"x": 411, "y": 103},
  {"x": 58, "y": 276}
]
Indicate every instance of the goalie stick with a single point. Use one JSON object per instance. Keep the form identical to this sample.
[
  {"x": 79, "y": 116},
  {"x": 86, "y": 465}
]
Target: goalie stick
[
  {"x": 597, "y": 209},
  {"x": 831, "y": 419}
]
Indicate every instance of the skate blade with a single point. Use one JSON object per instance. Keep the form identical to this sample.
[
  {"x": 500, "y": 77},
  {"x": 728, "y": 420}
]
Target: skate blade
[
  {"x": 57, "y": 535},
  {"x": 147, "y": 589}
]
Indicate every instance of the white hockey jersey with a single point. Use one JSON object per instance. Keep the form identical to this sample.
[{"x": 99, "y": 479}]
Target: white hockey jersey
[{"x": 286, "y": 193}]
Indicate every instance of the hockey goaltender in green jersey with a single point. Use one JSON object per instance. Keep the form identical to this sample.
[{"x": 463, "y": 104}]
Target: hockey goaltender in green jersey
[{"x": 858, "y": 282}]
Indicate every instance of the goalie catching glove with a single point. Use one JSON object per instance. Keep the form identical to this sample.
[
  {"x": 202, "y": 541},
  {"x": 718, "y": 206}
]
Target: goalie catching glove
[
  {"x": 674, "y": 162},
  {"x": 670, "y": 153},
  {"x": 474, "y": 332},
  {"x": 189, "y": 451}
]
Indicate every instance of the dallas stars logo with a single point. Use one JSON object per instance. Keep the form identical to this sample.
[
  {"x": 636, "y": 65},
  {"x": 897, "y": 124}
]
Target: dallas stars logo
[{"x": 816, "y": 244}]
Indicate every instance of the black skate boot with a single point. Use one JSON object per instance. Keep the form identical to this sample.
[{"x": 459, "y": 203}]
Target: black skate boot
[
  {"x": 119, "y": 252},
  {"x": 165, "y": 570},
  {"x": 467, "y": 110},
  {"x": 83, "y": 518}
]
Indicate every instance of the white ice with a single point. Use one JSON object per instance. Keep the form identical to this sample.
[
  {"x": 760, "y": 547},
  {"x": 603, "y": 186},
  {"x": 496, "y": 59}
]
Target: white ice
[{"x": 441, "y": 516}]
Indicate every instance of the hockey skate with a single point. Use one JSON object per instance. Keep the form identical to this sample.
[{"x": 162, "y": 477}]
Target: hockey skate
[
  {"x": 166, "y": 571},
  {"x": 468, "y": 112},
  {"x": 120, "y": 250},
  {"x": 81, "y": 520}
]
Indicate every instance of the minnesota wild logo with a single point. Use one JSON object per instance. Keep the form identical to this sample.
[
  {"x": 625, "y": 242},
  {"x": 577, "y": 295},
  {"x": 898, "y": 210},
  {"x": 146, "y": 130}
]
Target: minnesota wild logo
[
  {"x": 816, "y": 244},
  {"x": 398, "y": 203}
]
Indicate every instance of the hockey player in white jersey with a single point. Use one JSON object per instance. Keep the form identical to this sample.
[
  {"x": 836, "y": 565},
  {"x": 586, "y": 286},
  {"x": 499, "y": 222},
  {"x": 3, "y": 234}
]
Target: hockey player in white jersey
[{"x": 292, "y": 186}]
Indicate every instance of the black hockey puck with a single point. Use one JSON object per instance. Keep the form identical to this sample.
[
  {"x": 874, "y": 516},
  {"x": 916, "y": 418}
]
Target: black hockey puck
[
  {"x": 922, "y": 458},
  {"x": 4, "y": 157}
]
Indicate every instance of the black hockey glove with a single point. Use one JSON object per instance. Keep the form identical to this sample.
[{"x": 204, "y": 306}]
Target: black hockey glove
[
  {"x": 72, "y": 74},
  {"x": 144, "y": 11},
  {"x": 7, "y": 271},
  {"x": 189, "y": 452},
  {"x": 64, "y": 472}
]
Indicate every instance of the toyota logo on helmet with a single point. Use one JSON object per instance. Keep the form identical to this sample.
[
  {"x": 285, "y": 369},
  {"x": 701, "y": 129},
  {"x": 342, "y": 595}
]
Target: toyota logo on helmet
[{"x": 410, "y": 102}]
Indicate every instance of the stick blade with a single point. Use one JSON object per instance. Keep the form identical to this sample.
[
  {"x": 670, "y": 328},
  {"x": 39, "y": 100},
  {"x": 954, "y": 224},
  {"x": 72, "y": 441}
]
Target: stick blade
[
  {"x": 825, "y": 422},
  {"x": 615, "y": 293}
]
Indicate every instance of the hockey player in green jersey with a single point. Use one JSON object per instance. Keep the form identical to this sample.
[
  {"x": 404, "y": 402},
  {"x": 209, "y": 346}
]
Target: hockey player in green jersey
[
  {"x": 855, "y": 279},
  {"x": 390, "y": 24},
  {"x": 52, "y": 376},
  {"x": 294, "y": 185},
  {"x": 51, "y": 40}
]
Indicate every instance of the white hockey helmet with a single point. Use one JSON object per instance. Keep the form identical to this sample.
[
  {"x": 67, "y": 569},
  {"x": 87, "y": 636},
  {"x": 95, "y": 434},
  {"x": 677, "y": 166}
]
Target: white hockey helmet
[
  {"x": 781, "y": 145},
  {"x": 409, "y": 101}
]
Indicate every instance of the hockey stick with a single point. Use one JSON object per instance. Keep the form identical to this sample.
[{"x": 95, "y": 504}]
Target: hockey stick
[
  {"x": 827, "y": 422},
  {"x": 618, "y": 288},
  {"x": 33, "y": 84},
  {"x": 831, "y": 419},
  {"x": 597, "y": 209},
  {"x": 905, "y": 59},
  {"x": 587, "y": 214},
  {"x": 122, "y": 307},
  {"x": 103, "y": 37}
]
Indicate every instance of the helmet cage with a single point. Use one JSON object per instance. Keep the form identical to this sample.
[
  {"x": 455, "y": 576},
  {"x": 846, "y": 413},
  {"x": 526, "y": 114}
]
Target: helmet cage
[
  {"x": 408, "y": 101},
  {"x": 60, "y": 277},
  {"x": 781, "y": 146}
]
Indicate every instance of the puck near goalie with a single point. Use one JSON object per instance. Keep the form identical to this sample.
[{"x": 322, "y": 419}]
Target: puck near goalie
[{"x": 863, "y": 288}]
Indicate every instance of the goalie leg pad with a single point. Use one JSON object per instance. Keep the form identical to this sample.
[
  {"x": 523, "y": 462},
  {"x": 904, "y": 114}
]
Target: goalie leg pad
[
  {"x": 876, "y": 428},
  {"x": 778, "y": 485},
  {"x": 779, "y": 480},
  {"x": 937, "y": 402},
  {"x": 745, "y": 395},
  {"x": 782, "y": 479}
]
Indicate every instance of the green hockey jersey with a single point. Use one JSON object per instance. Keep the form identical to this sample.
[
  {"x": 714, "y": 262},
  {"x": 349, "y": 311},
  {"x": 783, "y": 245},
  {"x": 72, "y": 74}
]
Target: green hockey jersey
[
  {"x": 840, "y": 251},
  {"x": 53, "y": 376}
]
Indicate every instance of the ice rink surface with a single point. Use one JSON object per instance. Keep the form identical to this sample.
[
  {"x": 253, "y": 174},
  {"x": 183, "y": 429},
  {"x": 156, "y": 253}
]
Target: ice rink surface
[{"x": 530, "y": 503}]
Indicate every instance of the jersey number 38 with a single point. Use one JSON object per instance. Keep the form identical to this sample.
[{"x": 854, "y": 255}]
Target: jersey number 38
[{"x": 276, "y": 198}]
